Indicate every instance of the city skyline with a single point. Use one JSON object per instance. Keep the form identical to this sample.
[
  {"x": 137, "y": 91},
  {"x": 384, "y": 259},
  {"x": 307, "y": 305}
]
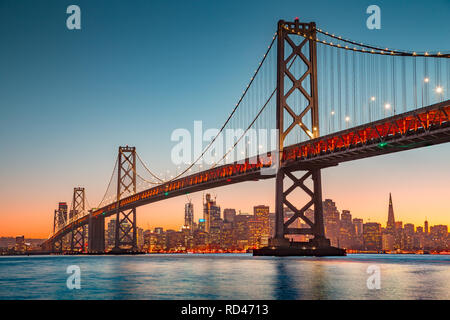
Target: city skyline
[
  {"x": 230, "y": 156},
  {"x": 198, "y": 214},
  {"x": 227, "y": 230},
  {"x": 62, "y": 133}
]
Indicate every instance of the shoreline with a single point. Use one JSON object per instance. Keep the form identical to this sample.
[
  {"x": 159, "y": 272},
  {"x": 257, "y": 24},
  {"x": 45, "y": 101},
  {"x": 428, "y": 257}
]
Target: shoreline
[{"x": 196, "y": 253}]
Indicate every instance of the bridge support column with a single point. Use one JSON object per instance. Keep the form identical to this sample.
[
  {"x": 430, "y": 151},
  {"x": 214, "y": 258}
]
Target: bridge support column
[
  {"x": 317, "y": 244},
  {"x": 125, "y": 237},
  {"x": 96, "y": 234},
  {"x": 315, "y": 223},
  {"x": 57, "y": 246},
  {"x": 304, "y": 116},
  {"x": 78, "y": 234},
  {"x": 77, "y": 241}
]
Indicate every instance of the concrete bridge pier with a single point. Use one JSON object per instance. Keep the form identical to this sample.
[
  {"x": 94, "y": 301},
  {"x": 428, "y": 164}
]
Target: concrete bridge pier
[{"x": 96, "y": 234}]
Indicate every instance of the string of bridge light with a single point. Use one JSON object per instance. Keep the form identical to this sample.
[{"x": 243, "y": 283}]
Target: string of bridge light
[
  {"x": 373, "y": 49},
  {"x": 233, "y": 111},
  {"x": 189, "y": 168},
  {"x": 149, "y": 171},
  {"x": 439, "y": 89},
  {"x": 110, "y": 181},
  {"x": 225, "y": 156}
]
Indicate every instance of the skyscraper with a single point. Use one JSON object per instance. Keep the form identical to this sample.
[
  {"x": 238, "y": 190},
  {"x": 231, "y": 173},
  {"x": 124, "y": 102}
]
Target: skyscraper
[
  {"x": 331, "y": 221},
  {"x": 358, "y": 223},
  {"x": 241, "y": 229},
  {"x": 372, "y": 236},
  {"x": 111, "y": 233},
  {"x": 358, "y": 241},
  {"x": 189, "y": 216},
  {"x": 408, "y": 236},
  {"x": 390, "y": 225},
  {"x": 140, "y": 238},
  {"x": 261, "y": 214},
  {"x": 347, "y": 230},
  {"x": 229, "y": 215},
  {"x": 211, "y": 214}
]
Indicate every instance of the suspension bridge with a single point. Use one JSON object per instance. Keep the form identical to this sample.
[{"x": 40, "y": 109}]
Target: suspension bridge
[{"x": 328, "y": 99}]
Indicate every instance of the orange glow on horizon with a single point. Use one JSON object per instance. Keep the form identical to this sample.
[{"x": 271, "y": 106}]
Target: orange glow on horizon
[{"x": 419, "y": 186}]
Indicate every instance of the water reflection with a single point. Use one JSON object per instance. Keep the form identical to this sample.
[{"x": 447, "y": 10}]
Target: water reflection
[
  {"x": 225, "y": 277},
  {"x": 285, "y": 281}
]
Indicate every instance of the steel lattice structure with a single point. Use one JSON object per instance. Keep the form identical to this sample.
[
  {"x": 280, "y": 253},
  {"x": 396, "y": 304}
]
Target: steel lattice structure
[
  {"x": 126, "y": 182},
  {"x": 316, "y": 227},
  {"x": 77, "y": 241},
  {"x": 428, "y": 125}
]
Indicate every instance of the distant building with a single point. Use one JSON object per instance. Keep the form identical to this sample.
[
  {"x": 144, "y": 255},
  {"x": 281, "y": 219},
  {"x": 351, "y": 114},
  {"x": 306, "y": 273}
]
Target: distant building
[
  {"x": 408, "y": 236},
  {"x": 20, "y": 244},
  {"x": 347, "y": 230},
  {"x": 331, "y": 221},
  {"x": 226, "y": 236},
  {"x": 272, "y": 224},
  {"x": 390, "y": 225},
  {"x": 111, "y": 234},
  {"x": 387, "y": 242},
  {"x": 255, "y": 233},
  {"x": 213, "y": 222},
  {"x": 189, "y": 216},
  {"x": 201, "y": 225},
  {"x": 358, "y": 223},
  {"x": 140, "y": 238},
  {"x": 229, "y": 215},
  {"x": 261, "y": 214},
  {"x": 372, "y": 236},
  {"x": 241, "y": 230},
  {"x": 439, "y": 237}
]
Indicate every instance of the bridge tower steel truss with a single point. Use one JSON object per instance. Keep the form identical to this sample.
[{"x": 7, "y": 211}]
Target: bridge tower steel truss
[
  {"x": 316, "y": 227},
  {"x": 58, "y": 222},
  {"x": 125, "y": 230},
  {"x": 78, "y": 237}
]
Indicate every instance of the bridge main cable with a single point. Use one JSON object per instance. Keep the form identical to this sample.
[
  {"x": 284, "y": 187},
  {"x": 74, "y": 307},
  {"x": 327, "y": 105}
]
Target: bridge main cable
[
  {"x": 232, "y": 113},
  {"x": 373, "y": 49}
]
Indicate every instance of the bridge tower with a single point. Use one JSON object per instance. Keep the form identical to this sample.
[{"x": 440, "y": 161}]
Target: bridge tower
[
  {"x": 78, "y": 236},
  {"x": 125, "y": 237},
  {"x": 96, "y": 233},
  {"x": 55, "y": 220},
  {"x": 286, "y": 120},
  {"x": 58, "y": 222}
]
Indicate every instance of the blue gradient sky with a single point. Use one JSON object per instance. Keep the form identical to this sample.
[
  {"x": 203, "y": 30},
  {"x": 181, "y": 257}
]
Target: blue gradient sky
[{"x": 138, "y": 70}]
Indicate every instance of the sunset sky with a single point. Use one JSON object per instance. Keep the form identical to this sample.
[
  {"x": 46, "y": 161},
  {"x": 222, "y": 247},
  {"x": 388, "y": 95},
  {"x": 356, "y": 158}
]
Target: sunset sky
[{"x": 137, "y": 71}]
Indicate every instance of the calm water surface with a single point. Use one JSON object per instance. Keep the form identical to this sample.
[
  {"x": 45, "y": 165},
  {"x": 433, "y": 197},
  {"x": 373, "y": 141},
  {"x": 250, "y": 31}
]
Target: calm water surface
[{"x": 226, "y": 276}]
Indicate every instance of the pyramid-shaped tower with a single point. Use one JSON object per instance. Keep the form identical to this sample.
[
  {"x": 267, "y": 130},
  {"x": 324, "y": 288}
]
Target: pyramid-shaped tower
[{"x": 390, "y": 226}]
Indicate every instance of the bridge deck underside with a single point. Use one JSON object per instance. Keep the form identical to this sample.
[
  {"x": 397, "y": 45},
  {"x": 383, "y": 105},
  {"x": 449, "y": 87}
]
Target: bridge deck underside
[{"x": 415, "y": 129}]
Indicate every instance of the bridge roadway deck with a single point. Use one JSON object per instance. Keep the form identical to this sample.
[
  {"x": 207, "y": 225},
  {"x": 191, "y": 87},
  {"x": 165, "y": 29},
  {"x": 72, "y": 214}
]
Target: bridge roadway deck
[{"x": 419, "y": 128}]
